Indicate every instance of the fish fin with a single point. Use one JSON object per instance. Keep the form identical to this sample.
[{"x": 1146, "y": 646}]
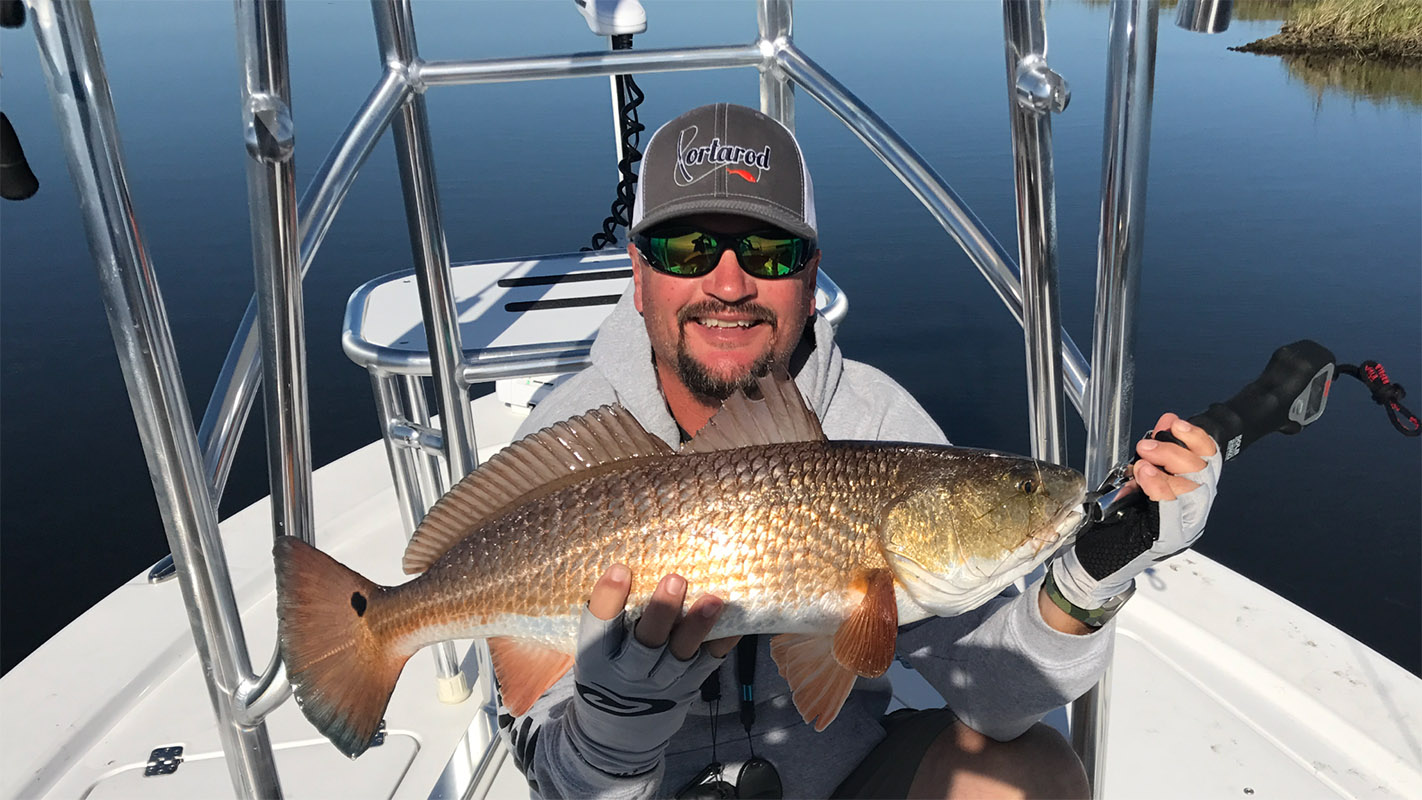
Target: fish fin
[
  {"x": 778, "y": 415},
  {"x": 865, "y": 642},
  {"x": 341, "y": 669},
  {"x": 820, "y": 684},
  {"x": 601, "y": 436},
  {"x": 525, "y": 671}
]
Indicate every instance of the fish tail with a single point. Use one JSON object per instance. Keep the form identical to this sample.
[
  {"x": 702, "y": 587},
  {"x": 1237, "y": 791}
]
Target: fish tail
[{"x": 341, "y": 667}]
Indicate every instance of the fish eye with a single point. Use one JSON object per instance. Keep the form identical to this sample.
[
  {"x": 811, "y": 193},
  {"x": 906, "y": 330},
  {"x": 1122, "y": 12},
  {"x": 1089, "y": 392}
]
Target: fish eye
[{"x": 1028, "y": 486}]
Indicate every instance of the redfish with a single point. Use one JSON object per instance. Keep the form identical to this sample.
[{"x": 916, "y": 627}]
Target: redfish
[{"x": 830, "y": 545}]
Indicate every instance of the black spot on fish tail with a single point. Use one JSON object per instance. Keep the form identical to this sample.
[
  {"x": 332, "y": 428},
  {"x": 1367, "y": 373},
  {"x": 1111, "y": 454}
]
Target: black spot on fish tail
[{"x": 358, "y": 603}]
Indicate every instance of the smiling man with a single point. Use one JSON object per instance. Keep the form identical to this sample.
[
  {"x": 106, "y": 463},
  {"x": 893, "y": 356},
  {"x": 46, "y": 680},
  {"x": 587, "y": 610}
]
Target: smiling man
[{"x": 724, "y": 259}]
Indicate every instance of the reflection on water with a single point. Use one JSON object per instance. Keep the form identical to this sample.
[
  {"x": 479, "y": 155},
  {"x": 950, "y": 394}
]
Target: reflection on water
[
  {"x": 1243, "y": 9},
  {"x": 1379, "y": 81}
]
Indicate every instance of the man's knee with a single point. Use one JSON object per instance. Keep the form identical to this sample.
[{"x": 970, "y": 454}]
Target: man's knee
[{"x": 964, "y": 763}]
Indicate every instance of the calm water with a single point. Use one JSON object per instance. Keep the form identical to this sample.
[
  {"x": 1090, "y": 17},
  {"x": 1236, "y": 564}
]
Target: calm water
[{"x": 1279, "y": 208}]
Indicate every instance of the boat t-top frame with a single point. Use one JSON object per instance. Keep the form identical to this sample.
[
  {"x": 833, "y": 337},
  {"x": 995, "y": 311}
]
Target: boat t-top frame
[{"x": 190, "y": 464}]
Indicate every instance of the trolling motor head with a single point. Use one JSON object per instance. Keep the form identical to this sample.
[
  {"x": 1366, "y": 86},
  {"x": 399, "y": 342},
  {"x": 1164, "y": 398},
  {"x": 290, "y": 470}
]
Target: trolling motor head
[{"x": 613, "y": 17}]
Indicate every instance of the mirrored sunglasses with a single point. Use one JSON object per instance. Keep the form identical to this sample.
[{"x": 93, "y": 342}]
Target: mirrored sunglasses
[{"x": 689, "y": 253}]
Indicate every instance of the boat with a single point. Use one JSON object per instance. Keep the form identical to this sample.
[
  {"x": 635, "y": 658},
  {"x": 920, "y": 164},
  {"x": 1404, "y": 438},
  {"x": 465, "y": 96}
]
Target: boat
[{"x": 169, "y": 687}]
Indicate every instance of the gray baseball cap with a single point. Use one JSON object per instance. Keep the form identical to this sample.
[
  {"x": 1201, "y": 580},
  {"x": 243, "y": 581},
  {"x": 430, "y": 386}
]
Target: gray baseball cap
[{"x": 725, "y": 159}]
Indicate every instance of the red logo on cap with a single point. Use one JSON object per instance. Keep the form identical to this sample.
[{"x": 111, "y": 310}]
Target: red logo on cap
[{"x": 742, "y": 173}]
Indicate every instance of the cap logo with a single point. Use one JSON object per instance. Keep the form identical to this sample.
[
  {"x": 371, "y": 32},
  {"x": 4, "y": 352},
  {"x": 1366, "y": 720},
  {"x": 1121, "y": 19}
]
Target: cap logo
[{"x": 695, "y": 162}]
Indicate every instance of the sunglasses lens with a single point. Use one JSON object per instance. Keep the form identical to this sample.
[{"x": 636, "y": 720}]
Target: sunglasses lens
[
  {"x": 691, "y": 254},
  {"x": 686, "y": 254},
  {"x": 772, "y": 257},
  {"x": 759, "y": 779}
]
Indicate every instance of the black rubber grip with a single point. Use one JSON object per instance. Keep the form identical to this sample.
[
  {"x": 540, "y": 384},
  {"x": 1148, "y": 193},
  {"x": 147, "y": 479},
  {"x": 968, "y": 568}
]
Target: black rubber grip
[{"x": 1262, "y": 407}]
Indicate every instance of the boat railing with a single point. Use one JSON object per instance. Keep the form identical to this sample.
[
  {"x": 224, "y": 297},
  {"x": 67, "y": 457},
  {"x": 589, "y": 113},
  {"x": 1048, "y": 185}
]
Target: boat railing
[{"x": 190, "y": 466}]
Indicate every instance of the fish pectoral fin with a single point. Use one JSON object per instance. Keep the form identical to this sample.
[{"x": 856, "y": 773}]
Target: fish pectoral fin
[
  {"x": 819, "y": 683},
  {"x": 865, "y": 642},
  {"x": 821, "y": 668},
  {"x": 525, "y": 671}
]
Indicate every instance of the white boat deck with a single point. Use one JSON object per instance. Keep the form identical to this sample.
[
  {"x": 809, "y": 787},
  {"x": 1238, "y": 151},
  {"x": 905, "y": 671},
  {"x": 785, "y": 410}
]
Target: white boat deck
[{"x": 1220, "y": 688}]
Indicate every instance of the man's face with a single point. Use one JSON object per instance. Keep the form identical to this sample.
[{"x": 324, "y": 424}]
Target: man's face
[{"x": 714, "y": 331}]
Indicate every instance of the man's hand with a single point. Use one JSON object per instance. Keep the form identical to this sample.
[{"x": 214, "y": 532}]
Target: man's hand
[
  {"x": 632, "y": 692},
  {"x": 662, "y": 622},
  {"x": 1162, "y": 465},
  {"x": 1105, "y": 560}
]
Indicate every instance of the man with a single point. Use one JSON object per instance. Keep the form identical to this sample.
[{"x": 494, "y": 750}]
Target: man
[{"x": 724, "y": 268}]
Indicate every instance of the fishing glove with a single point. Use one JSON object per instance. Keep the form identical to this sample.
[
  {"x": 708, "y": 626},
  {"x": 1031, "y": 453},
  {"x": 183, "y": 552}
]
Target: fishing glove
[
  {"x": 629, "y": 699},
  {"x": 1106, "y": 558}
]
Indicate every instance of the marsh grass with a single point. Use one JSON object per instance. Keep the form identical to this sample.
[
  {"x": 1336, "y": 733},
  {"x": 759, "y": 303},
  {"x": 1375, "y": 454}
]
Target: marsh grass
[{"x": 1381, "y": 29}]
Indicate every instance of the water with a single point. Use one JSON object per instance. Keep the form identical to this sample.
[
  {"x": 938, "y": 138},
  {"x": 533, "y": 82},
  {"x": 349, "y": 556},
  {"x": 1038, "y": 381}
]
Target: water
[{"x": 1278, "y": 209}]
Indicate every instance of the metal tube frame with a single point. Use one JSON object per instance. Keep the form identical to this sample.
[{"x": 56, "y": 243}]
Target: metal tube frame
[
  {"x": 389, "y": 402},
  {"x": 424, "y": 74},
  {"x": 1130, "y": 83},
  {"x": 79, "y": 89},
  {"x": 1034, "y": 93},
  {"x": 286, "y": 240},
  {"x": 430, "y": 441},
  {"x": 412, "y": 444},
  {"x": 271, "y": 190},
  {"x": 775, "y": 19},
  {"x": 240, "y": 376},
  {"x": 395, "y": 33}
]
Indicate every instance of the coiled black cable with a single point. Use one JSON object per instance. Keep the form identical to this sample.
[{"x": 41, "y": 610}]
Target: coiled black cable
[{"x": 629, "y": 97}]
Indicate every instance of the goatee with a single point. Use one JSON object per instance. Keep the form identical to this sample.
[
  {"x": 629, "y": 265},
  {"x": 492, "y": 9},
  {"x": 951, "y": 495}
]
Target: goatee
[
  {"x": 695, "y": 375},
  {"x": 700, "y": 380}
]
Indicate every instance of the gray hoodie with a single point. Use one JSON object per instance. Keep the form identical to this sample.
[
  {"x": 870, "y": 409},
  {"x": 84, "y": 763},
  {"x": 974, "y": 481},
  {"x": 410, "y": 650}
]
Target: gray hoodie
[{"x": 999, "y": 667}]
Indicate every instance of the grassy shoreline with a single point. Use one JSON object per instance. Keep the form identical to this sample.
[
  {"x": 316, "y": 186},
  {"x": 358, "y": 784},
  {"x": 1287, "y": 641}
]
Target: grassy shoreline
[{"x": 1372, "y": 29}]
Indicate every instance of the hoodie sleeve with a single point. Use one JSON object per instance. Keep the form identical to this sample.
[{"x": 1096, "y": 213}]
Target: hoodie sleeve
[
  {"x": 1001, "y": 667},
  {"x": 544, "y": 752}
]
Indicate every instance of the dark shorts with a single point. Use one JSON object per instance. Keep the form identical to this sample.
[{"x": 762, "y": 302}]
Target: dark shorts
[{"x": 889, "y": 768}]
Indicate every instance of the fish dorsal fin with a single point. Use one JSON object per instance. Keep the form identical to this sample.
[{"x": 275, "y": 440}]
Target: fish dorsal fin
[
  {"x": 821, "y": 668},
  {"x": 779, "y": 415},
  {"x": 601, "y": 436}
]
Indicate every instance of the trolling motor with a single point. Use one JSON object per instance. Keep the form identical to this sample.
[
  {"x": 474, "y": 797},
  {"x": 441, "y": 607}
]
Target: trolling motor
[{"x": 1289, "y": 395}]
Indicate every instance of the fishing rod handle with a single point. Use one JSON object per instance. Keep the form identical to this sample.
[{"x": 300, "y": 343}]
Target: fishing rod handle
[{"x": 1287, "y": 396}]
